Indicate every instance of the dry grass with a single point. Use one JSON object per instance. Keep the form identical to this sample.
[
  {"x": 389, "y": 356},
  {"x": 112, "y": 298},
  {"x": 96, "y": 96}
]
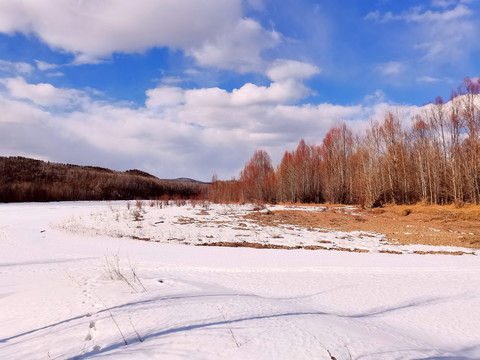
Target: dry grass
[
  {"x": 273, "y": 246},
  {"x": 140, "y": 238},
  {"x": 442, "y": 253},
  {"x": 390, "y": 252},
  {"x": 326, "y": 205},
  {"x": 418, "y": 224},
  {"x": 464, "y": 212}
]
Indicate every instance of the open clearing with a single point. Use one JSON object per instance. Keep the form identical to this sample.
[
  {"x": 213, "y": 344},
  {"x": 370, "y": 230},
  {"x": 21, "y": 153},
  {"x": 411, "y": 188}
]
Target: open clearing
[
  {"x": 427, "y": 225},
  {"x": 343, "y": 228},
  {"x": 99, "y": 280}
]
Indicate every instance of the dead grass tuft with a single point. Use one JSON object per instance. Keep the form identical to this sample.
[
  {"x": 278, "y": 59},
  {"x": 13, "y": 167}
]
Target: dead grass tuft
[
  {"x": 274, "y": 246},
  {"x": 442, "y": 253},
  {"x": 390, "y": 252},
  {"x": 350, "y": 250},
  {"x": 140, "y": 238}
]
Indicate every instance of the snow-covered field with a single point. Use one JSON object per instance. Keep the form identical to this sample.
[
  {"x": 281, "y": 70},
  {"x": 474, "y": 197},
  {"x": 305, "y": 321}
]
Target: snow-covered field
[
  {"x": 205, "y": 223},
  {"x": 57, "y": 300}
]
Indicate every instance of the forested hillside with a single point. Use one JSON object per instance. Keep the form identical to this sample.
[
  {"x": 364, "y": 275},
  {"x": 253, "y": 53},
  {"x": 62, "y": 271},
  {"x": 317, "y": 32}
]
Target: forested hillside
[
  {"x": 433, "y": 159},
  {"x": 24, "y": 179}
]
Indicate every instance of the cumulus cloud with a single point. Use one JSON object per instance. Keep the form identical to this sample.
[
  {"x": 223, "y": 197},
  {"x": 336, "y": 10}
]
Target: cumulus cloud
[
  {"x": 42, "y": 94},
  {"x": 10, "y": 67},
  {"x": 99, "y": 28},
  {"x": 15, "y": 112},
  {"x": 287, "y": 87},
  {"x": 284, "y": 92},
  {"x": 179, "y": 132},
  {"x": 164, "y": 96},
  {"x": 214, "y": 32},
  {"x": 237, "y": 48}
]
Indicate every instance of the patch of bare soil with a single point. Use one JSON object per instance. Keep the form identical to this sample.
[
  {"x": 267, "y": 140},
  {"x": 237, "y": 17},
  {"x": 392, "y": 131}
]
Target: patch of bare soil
[
  {"x": 273, "y": 246},
  {"x": 438, "y": 226}
]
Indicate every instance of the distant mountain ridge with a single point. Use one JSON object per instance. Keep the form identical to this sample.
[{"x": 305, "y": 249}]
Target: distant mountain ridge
[
  {"x": 25, "y": 179},
  {"x": 188, "y": 180}
]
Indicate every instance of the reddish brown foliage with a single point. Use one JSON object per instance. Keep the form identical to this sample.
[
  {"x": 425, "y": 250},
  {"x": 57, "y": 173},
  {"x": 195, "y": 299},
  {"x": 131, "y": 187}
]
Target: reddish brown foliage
[
  {"x": 25, "y": 180},
  {"x": 436, "y": 161}
]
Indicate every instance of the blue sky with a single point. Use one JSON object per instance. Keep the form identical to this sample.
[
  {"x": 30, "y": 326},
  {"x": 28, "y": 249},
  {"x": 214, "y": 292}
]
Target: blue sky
[{"x": 193, "y": 87}]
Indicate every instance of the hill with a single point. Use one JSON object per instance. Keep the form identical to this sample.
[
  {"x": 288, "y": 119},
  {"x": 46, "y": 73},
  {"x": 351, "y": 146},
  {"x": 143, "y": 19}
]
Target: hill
[
  {"x": 188, "y": 180},
  {"x": 25, "y": 180}
]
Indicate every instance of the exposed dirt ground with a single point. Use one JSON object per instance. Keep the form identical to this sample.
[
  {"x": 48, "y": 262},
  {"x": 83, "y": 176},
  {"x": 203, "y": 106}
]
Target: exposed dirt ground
[
  {"x": 417, "y": 224},
  {"x": 284, "y": 247}
]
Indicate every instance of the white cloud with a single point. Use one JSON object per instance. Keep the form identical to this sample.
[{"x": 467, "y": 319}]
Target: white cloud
[
  {"x": 214, "y": 32},
  {"x": 391, "y": 68},
  {"x": 432, "y": 49},
  {"x": 377, "y": 97},
  {"x": 98, "y": 28},
  {"x": 237, "y": 48},
  {"x": 283, "y": 92},
  {"x": 15, "y": 67},
  {"x": 431, "y": 80},
  {"x": 42, "y": 94},
  {"x": 42, "y": 65},
  {"x": 171, "y": 80},
  {"x": 428, "y": 79},
  {"x": 442, "y": 35},
  {"x": 282, "y": 70},
  {"x": 23, "y": 68},
  {"x": 456, "y": 13},
  {"x": 195, "y": 134},
  {"x": 164, "y": 96},
  {"x": 286, "y": 88},
  {"x": 17, "y": 112},
  {"x": 179, "y": 132},
  {"x": 215, "y": 97},
  {"x": 458, "y": 38},
  {"x": 55, "y": 74},
  {"x": 443, "y": 3},
  {"x": 415, "y": 14},
  {"x": 376, "y": 15}
]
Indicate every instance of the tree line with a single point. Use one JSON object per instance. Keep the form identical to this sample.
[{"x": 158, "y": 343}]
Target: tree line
[
  {"x": 26, "y": 180},
  {"x": 435, "y": 160}
]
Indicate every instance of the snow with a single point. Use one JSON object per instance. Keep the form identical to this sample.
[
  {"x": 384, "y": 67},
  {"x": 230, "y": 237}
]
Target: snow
[
  {"x": 58, "y": 302},
  {"x": 224, "y": 223}
]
